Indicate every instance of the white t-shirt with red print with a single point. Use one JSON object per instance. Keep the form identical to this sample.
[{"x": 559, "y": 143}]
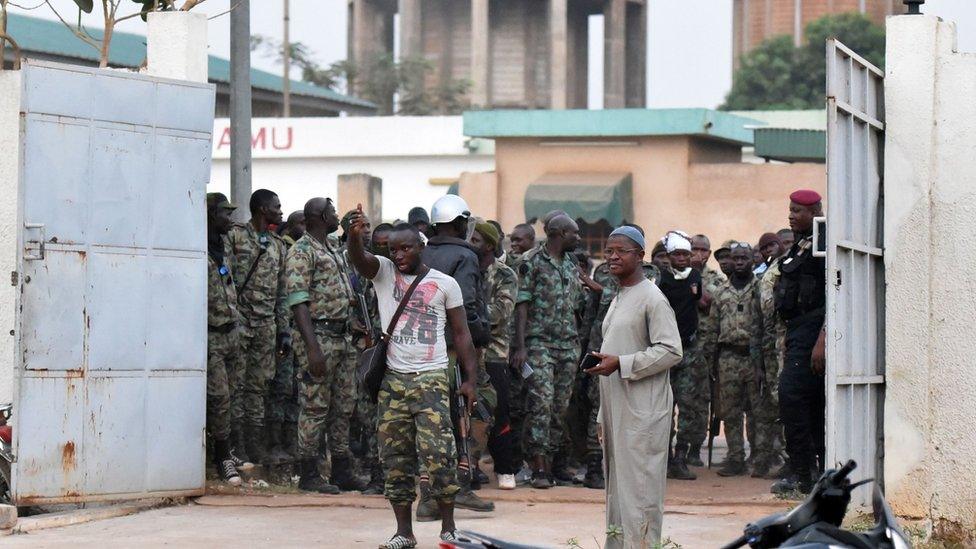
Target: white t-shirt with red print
[{"x": 417, "y": 342}]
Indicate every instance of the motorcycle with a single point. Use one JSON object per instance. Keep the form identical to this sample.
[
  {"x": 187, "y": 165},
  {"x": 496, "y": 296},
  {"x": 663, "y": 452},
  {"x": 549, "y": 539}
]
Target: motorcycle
[
  {"x": 471, "y": 540},
  {"x": 815, "y": 523},
  {"x": 6, "y": 451}
]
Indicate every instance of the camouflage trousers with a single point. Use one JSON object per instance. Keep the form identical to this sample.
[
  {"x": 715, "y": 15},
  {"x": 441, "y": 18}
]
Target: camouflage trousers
[
  {"x": 593, "y": 446},
  {"x": 259, "y": 367},
  {"x": 282, "y": 403},
  {"x": 223, "y": 351},
  {"x": 414, "y": 429},
  {"x": 326, "y": 402},
  {"x": 547, "y": 394},
  {"x": 689, "y": 383},
  {"x": 768, "y": 431},
  {"x": 739, "y": 395}
]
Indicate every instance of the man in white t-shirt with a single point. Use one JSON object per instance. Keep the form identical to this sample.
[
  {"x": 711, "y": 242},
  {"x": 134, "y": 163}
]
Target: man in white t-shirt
[{"x": 414, "y": 402}]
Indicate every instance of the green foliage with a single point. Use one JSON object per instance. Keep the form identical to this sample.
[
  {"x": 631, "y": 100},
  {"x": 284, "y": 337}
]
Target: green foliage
[
  {"x": 153, "y": 5},
  {"x": 379, "y": 79},
  {"x": 85, "y": 5},
  {"x": 776, "y": 75}
]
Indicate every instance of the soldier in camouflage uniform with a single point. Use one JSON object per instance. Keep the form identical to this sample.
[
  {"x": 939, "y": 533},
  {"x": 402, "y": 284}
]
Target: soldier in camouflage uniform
[
  {"x": 522, "y": 240},
  {"x": 603, "y": 287},
  {"x": 320, "y": 297},
  {"x": 223, "y": 322},
  {"x": 770, "y": 343},
  {"x": 365, "y": 329},
  {"x": 547, "y": 339},
  {"x": 712, "y": 280},
  {"x": 736, "y": 307},
  {"x": 502, "y": 285},
  {"x": 259, "y": 263},
  {"x": 281, "y": 412}
]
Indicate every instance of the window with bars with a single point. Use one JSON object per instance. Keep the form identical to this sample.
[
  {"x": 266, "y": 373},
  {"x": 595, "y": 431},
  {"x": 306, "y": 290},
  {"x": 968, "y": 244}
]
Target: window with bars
[{"x": 593, "y": 237}]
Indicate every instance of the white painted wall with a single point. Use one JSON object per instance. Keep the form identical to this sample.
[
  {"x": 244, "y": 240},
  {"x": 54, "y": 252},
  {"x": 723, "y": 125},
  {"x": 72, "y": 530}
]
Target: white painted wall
[
  {"x": 300, "y": 158},
  {"x": 930, "y": 205},
  {"x": 9, "y": 175}
]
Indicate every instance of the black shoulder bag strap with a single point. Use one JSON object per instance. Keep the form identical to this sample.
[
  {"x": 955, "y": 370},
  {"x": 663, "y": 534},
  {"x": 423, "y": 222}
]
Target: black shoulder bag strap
[{"x": 403, "y": 304}]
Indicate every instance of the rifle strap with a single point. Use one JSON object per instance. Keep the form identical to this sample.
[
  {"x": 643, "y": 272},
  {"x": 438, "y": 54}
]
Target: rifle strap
[
  {"x": 250, "y": 272},
  {"x": 403, "y": 302}
]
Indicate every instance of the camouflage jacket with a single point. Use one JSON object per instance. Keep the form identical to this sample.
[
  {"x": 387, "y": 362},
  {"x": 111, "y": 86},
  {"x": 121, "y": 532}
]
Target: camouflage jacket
[
  {"x": 262, "y": 300},
  {"x": 713, "y": 281},
  {"x": 502, "y": 291},
  {"x": 736, "y": 313},
  {"x": 599, "y": 303},
  {"x": 315, "y": 274},
  {"x": 512, "y": 260},
  {"x": 770, "y": 331},
  {"x": 551, "y": 289},
  {"x": 221, "y": 294}
]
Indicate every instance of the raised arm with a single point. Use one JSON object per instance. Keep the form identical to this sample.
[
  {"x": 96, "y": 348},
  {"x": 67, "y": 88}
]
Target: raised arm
[{"x": 364, "y": 262}]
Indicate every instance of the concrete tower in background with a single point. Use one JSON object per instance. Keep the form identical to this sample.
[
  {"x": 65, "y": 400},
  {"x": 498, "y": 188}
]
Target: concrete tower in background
[
  {"x": 754, "y": 21},
  {"x": 516, "y": 53}
]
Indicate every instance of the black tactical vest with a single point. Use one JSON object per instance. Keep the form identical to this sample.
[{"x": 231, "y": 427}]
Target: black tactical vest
[{"x": 802, "y": 285}]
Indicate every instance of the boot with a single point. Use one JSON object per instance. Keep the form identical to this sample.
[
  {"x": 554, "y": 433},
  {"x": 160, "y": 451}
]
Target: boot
[
  {"x": 311, "y": 480},
  {"x": 343, "y": 475},
  {"x": 693, "y": 459},
  {"x": 732, "y": 469},
  {"x": 276, "y": 454},
  {"x": 375, "y": 485},
  {"x": 427, "y": 509},
  {"x": 760, "y": 468},
  {"x": 254, "y": 443},
  {"x": 594, "y": 473},
  {"x": 478, "y": 479},
  {"x": 467, "y": 499},
  {"x": 781, "y": 473},
  {"x": 560, "y": 471},
  {"x": 289, "y": 439},
  {"x": 677, "y": 468}
]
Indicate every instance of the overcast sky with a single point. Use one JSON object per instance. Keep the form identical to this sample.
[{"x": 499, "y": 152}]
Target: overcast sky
[{"x": 689, "y": 42}]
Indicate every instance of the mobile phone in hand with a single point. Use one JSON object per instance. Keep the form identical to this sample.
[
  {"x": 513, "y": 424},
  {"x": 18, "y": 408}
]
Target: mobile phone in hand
[{"x": 589, "y": 361}]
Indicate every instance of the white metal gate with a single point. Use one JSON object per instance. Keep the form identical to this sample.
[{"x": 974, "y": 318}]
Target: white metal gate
[
  {"x": 855, "y": 263},
  {"x": 110, "y": 388}
]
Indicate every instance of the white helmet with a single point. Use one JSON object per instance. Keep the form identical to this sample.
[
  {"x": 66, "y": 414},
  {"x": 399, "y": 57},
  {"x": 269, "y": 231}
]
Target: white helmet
[{"x": 448, "y": 208}]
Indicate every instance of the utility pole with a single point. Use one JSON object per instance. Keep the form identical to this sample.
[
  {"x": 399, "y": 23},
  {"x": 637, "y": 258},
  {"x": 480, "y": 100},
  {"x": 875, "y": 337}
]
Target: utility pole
[
  {"x": 240, "y": 107},
  {"x": 286, "y": 82}
]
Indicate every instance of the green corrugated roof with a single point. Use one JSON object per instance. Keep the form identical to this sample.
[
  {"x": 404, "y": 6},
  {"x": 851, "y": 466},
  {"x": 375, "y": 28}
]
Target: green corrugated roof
[
  {"x": 791, "y": 145},
  {"x": 610, "y": 123},
  {"x": 129, "y": 50}
]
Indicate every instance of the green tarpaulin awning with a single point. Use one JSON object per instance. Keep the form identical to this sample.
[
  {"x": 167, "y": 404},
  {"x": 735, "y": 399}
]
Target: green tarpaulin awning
[{"x": 587, "y": 196}]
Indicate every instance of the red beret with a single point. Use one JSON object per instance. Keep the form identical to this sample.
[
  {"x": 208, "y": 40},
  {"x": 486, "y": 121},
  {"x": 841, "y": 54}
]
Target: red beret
[{"x": 805, "y": 197}]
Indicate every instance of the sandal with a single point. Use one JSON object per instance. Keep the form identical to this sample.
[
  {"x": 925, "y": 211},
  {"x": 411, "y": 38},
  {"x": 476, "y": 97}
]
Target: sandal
[{"x": 399, "y": 542}]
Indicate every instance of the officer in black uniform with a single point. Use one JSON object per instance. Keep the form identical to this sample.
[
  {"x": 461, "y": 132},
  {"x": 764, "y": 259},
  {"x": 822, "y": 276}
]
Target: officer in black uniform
[{"x": 801, "y": 294}]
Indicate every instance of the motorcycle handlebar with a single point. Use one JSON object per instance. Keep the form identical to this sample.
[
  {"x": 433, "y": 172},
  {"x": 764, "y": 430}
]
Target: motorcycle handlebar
[
  {"x": 845, "y": 470},
  {"x": 739, "y": 542}
]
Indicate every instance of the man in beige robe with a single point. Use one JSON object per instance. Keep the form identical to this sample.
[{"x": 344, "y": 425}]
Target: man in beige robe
[{"x": 640, "y": 344}]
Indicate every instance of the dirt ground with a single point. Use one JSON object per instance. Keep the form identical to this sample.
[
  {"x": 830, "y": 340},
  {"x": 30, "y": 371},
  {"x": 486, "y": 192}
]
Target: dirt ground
[{"x": 702, "y": 513}]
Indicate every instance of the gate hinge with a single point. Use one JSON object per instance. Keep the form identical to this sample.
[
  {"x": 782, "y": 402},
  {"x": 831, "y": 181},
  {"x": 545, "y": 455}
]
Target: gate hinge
[
  {"x": 14, "y": 278},
  {"x": 838, "y": 282}
]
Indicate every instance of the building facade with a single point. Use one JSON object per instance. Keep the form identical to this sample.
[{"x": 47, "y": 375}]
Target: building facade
[
  {"x": 754, "y": 21},
  {"x": 516, "y": 54}
]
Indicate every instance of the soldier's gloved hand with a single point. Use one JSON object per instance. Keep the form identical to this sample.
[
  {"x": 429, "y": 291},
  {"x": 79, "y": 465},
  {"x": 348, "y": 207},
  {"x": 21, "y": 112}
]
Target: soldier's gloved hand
[{"x": 283, "y": 343}]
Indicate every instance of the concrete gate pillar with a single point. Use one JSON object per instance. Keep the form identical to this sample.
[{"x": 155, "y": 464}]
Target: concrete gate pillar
[
  {"x": 558, "y": 54},
  {"x": 614, "y": 54},
  {"x": 930, "y": 264},
  {"x": 361, "y": 188}
]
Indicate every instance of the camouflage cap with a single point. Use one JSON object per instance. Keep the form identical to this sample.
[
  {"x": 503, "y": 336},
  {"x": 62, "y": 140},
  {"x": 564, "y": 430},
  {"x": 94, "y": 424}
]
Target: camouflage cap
[
  {"x": 726, "y": 246},
  {"x": 219, "y": 200}
]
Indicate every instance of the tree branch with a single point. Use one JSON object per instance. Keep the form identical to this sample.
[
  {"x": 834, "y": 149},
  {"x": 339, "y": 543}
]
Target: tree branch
[{"x": 91, "y": 42}]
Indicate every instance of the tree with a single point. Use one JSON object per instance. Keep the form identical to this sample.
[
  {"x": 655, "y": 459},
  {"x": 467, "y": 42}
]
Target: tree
[
  {"x": 110, "y": 18},
  {"x": 777, "y": 75}
]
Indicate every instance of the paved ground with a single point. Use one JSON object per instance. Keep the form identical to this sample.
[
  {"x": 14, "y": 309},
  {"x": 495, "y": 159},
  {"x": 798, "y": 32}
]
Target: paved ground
[{"x": 703, "y": 513}]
